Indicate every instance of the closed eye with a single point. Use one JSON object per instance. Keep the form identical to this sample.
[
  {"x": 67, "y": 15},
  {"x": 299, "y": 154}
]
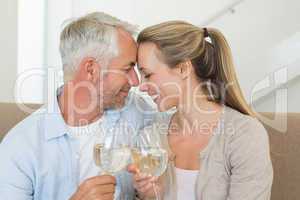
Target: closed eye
[
  {"x": 128, "y": 69},
  {"x": 147, "y": 75},
  {"x": 130, "y": 66}
]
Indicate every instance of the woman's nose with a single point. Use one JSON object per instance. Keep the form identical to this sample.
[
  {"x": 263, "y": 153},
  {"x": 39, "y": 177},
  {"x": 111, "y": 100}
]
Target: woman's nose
[{"x": 143, "y": 87}]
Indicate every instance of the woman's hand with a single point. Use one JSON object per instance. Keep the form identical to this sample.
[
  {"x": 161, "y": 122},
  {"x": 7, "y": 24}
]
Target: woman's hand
[{"x": 146, "y": 185}]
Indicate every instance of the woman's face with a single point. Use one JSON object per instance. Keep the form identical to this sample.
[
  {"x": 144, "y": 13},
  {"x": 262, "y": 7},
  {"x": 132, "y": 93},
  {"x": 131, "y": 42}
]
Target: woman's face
[{"x": 161, "y": 82}]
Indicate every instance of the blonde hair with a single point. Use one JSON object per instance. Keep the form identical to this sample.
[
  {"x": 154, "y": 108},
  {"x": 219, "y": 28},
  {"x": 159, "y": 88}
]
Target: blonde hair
[
  {"x": 91, "y": 35},
  {"x": 180, "y": 41}
]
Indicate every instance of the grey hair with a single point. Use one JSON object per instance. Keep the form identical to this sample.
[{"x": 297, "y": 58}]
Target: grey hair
[{"x": 94, "y": 35}]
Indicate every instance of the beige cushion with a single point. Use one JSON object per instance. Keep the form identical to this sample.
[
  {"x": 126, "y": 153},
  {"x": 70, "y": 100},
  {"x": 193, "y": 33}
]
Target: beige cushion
[
  {"x": 285, "y": 154},
  {"x": 285, "y": 150},
  {"x": 11, "y": 114}
]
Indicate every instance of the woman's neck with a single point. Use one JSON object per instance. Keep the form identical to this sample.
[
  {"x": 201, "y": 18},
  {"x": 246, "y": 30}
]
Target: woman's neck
[{"x": 196, "y": 114}]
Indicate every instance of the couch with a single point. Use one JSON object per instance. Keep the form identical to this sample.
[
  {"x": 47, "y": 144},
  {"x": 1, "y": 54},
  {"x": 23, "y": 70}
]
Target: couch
[{"x": 285, "y": 149}]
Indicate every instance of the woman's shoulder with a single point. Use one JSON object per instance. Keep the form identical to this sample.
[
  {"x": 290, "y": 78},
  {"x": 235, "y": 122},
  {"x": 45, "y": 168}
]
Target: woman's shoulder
[
  {"x": 247, "y": 149},
  {"x": 242, "y": 127}
]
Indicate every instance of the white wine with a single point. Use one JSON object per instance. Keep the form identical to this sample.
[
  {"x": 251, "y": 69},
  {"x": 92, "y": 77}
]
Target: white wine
[
  {"x": 111, "y": 160},
  {"x": 97, "y": 154},
  {"x": 151, "y": 160}
]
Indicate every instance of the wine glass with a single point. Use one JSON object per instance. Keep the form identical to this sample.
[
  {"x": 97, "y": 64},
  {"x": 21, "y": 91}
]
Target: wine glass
[
  {"x": 149, "y": 156},
  {"x": 112, "y": 153}
]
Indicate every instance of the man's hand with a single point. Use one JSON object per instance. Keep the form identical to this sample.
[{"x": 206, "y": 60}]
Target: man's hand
[{"x": 96, "y": 188}]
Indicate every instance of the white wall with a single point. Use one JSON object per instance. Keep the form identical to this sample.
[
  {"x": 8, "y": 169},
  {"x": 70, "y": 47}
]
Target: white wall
[
  {"x": 195, "y": 11},
  {"x": 31, "y": 36},
  {"x": 264, "y": 36},
  {"x": 141, "y": 13},
  {"x": 148, "y": 12},
  {"x": 288, "y": 93},
  {"x": 56, "y": 16},
  {"x": 8, "y": 48},
  {"x": 120, "y": 9}
]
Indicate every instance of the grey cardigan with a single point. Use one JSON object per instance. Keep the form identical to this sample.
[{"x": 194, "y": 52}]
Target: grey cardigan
[{"x": 235, "y": 165}]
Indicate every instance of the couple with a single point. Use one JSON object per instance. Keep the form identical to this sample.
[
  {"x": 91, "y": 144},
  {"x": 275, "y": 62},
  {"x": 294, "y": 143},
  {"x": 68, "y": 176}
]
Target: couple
[{"x": 217, "y": 149}]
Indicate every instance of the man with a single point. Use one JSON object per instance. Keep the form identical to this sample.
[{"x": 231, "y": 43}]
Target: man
[{"x": 49, "y": 154}]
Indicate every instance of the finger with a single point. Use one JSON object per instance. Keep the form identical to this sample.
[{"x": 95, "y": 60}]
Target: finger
[
  {"x": 132, "y": 168},
  {"x": 94, "y": 181},
  {"x": 109, "y": 196},
  {"x": 144, "y": 183},
  {"x": 104, "y": 189},
  {"x": 99, "y": 180},
  {"x": 142, "y": 177},
  {"x": 146, "y": 188},
  {"x": 154, "y": 179},
  {"x": 101, "y": 190},
  {"x": 104, "y": 179}
]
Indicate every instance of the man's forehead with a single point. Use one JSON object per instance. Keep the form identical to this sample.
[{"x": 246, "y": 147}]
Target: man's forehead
[
  {"x": 127, "y": 51},
  {"x": 125, "y": 36}
]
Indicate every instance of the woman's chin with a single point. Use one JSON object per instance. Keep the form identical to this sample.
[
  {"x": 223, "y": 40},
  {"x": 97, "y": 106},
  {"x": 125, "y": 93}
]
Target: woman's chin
[{"x": 162, "y": 107}]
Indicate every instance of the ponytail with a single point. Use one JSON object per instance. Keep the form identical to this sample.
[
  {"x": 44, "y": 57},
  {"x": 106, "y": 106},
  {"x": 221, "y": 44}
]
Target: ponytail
[{"x": 225, "y": 73}]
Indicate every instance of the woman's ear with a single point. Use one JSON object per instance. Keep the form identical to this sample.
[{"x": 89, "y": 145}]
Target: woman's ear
[{"x": 185, "y": 69}]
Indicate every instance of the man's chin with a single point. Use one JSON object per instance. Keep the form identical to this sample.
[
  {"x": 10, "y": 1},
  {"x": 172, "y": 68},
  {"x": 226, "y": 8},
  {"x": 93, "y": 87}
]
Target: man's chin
[
  {"x": 115, "y": 102},
  {"x": 120, "y": 103}
]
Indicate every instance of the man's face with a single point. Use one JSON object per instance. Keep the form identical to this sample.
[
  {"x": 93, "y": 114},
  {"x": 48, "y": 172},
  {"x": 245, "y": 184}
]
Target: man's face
[{"x": 120, "y": 75}]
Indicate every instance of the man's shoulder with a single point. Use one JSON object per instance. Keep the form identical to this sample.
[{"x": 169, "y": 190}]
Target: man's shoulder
[{"x": 25, "y": 130}]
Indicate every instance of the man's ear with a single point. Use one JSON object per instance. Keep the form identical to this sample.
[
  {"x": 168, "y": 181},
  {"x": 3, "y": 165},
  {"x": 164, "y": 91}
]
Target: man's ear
[
  {"x": 90, "y": 68},
  {"x": 185, "y": 69}
]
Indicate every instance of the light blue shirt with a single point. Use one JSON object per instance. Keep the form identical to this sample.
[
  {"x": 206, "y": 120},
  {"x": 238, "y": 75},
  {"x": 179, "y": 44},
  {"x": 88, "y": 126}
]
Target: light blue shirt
[{"x": 38, "y": 159}]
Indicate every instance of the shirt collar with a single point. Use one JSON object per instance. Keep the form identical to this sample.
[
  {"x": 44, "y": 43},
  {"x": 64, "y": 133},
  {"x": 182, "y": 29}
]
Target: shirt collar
[{"x": 55, "y": 125}]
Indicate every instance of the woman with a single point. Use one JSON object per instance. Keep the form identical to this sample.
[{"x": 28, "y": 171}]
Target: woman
[{"x": 218, "y": 150}]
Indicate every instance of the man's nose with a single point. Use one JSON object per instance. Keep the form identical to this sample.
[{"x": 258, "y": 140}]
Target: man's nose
[{"x": 134, "y": 81}]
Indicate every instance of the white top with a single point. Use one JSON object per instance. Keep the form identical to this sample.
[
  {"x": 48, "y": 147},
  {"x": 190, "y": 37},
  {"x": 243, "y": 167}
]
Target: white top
[
  {"x": 86, "y": 138},
  {"x": 186, "y": 180}
]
